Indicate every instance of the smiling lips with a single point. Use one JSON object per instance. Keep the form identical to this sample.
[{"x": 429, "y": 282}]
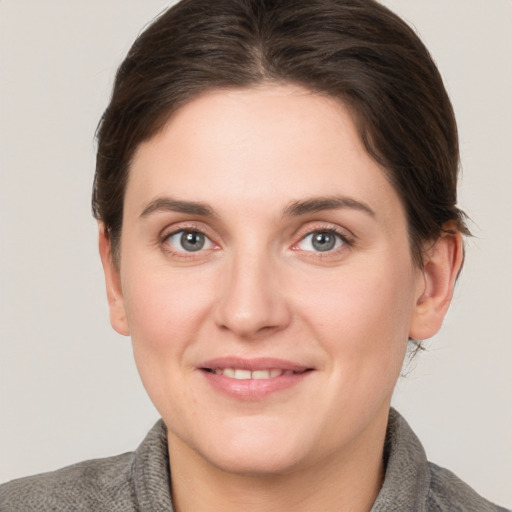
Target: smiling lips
[
  {"x": 252, "y": 379},
  {"x": 241, "y": 374}
]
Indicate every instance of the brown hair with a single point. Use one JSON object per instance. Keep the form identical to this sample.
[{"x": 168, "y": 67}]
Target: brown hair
[{"x": 354, "y": 50}]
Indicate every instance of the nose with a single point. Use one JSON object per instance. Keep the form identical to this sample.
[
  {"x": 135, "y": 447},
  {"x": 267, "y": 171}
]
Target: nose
[{"x": 252, "y": 301}]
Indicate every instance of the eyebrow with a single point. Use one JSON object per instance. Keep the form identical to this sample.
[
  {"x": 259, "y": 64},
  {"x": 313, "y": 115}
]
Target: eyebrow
[
  {"x": 167, "y": 204},
  {"x": 318, "y": 204},
  {"x": 294, "y": 209}
]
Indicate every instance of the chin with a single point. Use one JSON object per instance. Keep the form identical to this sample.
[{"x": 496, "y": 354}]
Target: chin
[
  {"x": 261, "y": 447},
  {"x": 257, "y": 461}
]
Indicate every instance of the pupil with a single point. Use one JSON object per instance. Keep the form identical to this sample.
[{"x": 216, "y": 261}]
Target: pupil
[
  {"x": 323, "y": 241},
  {"x": 192, "y": 241}
]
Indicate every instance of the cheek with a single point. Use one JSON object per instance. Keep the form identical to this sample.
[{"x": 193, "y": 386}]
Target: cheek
[
  {"x": 164, "y": 310},
  {"x": 165, "y": 313},
  {"x": 362, "y": 316}
]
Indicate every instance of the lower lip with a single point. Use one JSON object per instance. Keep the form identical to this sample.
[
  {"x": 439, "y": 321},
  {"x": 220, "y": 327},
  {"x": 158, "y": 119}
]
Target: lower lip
[{"x": 253, "y": 389}]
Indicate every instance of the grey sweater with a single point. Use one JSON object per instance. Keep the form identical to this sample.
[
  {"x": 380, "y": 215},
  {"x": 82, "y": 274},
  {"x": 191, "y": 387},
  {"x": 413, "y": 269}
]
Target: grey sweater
[{"x": 139, "y": 481}]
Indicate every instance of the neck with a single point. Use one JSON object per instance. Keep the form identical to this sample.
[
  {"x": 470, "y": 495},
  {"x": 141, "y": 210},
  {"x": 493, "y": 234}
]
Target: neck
[{"x": 344, "y": 482}]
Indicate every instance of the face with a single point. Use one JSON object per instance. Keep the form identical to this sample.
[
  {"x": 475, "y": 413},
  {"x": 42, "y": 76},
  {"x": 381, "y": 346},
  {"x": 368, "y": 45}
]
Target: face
[{"x": 266, "y": 280}]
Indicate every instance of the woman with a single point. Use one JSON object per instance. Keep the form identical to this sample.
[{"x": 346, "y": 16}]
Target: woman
[{"x": 276, "y": 197}]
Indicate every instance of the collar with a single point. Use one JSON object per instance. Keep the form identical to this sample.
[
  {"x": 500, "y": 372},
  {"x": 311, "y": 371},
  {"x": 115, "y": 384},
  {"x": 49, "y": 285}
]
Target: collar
[
  {"x": 406, "y": 482},
  {"x": 407, "y": 478}
]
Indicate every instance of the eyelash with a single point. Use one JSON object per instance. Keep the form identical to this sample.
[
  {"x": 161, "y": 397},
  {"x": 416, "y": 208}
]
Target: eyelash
[
  {"x": 166, "y": 235},
  {"x": 347, "y": 241}
]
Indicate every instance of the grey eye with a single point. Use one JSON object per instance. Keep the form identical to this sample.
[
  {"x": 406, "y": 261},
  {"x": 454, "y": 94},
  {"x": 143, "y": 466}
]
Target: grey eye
[
  {"x": 321, "y": 241},
  {"x": 189, "y": 241}
]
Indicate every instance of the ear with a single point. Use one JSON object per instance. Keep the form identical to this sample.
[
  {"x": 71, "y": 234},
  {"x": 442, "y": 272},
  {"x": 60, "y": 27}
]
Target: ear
[
  {"x": 442, "y": 263},
  {"x": 113, "y": 283}
]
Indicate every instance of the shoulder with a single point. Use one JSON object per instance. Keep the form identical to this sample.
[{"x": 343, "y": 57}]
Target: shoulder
[
  {"x": 101, "y": 484},
  {"x": 128, "y": 482},
  {"x": 413, "y": 483},
  {"x": 449, "y": 493}
]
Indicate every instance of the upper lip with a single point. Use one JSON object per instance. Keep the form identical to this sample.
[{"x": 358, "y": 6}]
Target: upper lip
[{"x": 259, "y": 363}]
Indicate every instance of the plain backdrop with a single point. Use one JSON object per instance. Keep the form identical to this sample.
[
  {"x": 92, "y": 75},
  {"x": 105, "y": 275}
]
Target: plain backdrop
[{"x": 68, "y": 386}]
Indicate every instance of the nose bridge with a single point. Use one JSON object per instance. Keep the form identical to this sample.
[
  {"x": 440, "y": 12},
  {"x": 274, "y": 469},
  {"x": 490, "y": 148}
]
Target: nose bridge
[{"x": 252, "y": 301}]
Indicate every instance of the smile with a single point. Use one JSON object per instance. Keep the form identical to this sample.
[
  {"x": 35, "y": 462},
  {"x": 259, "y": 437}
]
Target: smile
[
  {"x": 243, "y": 374},
  {"x": 252, "y": 379}
]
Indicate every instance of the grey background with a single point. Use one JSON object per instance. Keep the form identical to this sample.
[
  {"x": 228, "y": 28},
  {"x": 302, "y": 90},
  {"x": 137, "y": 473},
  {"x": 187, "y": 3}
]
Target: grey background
[{"x": 68, "y": 387}]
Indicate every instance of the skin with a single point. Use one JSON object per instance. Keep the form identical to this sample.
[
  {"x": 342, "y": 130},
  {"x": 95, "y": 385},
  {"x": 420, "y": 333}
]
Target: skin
[{"x": 259, "y": 288}]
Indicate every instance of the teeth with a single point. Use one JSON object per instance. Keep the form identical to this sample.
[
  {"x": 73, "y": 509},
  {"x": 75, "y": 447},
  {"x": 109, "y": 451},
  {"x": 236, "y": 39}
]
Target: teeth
[
  {"x": 237, "y": 373},
  {"x": 242, "y": 374},
  {"x": 260, "y": 374}
]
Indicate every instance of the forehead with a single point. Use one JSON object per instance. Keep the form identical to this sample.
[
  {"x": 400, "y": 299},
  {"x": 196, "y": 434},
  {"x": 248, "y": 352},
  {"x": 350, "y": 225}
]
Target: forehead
[{"x": 270, "y": 144}]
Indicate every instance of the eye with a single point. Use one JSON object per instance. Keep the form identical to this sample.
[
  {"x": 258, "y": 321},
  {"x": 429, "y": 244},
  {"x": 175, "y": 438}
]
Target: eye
[
  {"x": 321, "y": 241},
  {"x": 188, "y": 241}
]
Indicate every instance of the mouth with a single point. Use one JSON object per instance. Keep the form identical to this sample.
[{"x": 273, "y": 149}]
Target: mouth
[
  {"x": 243, "y": 374},
  {"x": 253, "y": 379}
]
